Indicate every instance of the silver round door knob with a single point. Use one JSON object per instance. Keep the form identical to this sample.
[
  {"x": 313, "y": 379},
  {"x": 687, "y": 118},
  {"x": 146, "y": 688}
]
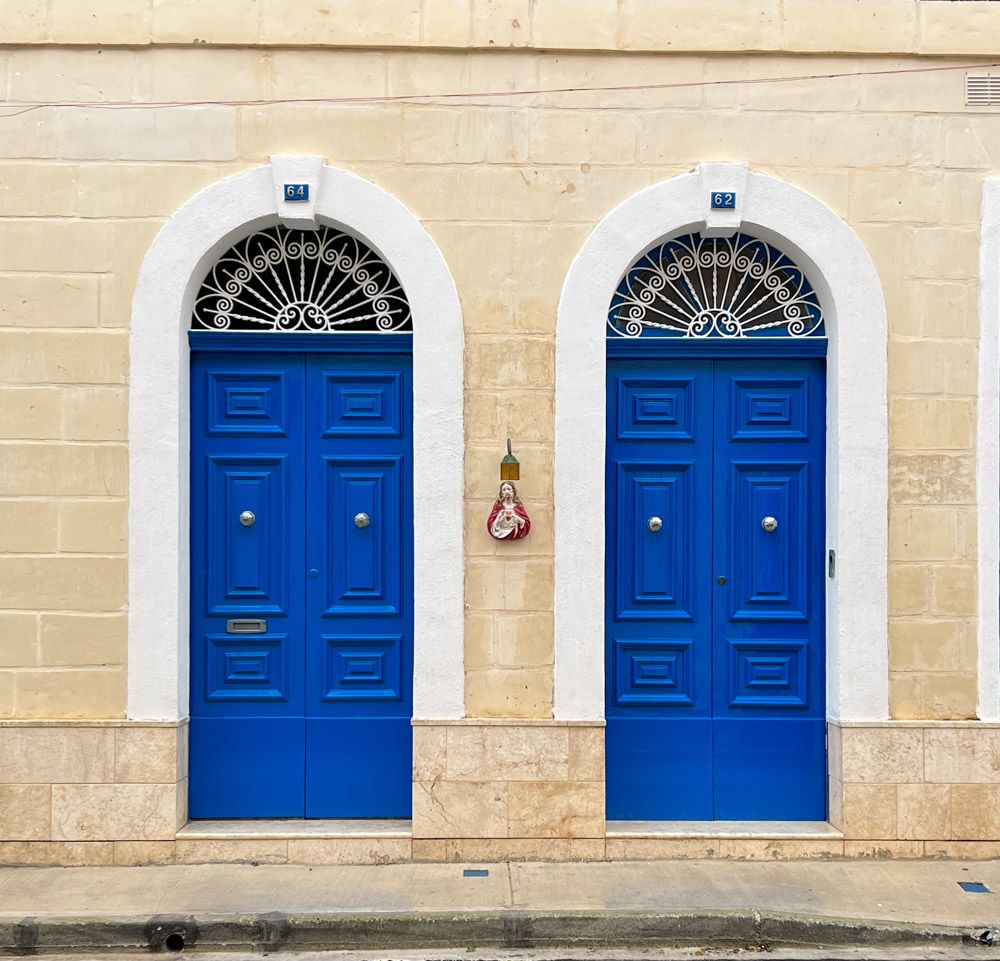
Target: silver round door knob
[
  {"x": 248, "y": 518},
  {"x": 655, "y": 524},
  {"x": 769, "y": 524},
  {"x": 362, "y": 520}
]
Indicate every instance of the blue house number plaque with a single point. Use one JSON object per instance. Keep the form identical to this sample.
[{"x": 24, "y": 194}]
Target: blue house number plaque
[
  {"x": 296, "y": 193},
  {"x": 723, "y": 200}
]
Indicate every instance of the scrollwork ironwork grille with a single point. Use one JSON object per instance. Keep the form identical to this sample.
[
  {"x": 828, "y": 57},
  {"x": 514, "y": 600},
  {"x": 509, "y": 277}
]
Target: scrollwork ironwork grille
[
  {"x": 695, "y": 286},
  {"x": 281, "y": 279}
]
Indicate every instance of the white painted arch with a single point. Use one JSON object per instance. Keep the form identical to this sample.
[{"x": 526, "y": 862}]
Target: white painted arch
[
  {"x": 171, "y": 273},
  {"x": 857, "y": 423}
]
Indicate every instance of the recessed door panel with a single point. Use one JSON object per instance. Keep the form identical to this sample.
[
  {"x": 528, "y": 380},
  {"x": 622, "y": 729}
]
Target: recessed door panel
[
  {"x": 362, "y": 404},
  {"x": 247, "y": 402}
]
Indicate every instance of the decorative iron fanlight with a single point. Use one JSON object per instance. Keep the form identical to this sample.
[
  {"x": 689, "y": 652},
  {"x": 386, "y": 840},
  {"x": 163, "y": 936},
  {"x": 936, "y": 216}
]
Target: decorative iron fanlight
[
  {"x": 695, "y": 286},
  {"x": 280, "y": 279}
]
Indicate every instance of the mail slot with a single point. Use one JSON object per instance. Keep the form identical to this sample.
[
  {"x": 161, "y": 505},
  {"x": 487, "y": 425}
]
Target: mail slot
[{"x": 246, "y": 626}]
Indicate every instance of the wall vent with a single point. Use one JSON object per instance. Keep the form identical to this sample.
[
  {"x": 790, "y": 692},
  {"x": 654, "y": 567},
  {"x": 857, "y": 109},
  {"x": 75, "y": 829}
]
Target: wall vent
[{"x": 982, "y": 89}]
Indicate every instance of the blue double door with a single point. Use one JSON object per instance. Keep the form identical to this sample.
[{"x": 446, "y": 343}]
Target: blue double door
[
  {"x": 715, "y": 589},
  {"x": 301, "y": 585}
]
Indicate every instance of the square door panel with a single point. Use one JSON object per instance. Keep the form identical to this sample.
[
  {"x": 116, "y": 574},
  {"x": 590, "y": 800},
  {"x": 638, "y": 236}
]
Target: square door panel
[
  {"x": 652, "y": 408},
  {"x": 364, "y": 564},
  {"x": 653, "y": 672},
  {"x": 246, "y": 567},
  {"x": 363, "y": 668},
  {"x": 654, "y": 568},
  {"x": 768, "y": 673},
  {"x": 770, "y": 569},
  {"x": 249, "y": 403},
  {"x": 774, "y": 408},
  {"x": 363, "y": 404},
  {"x": 246, "y": 669}
]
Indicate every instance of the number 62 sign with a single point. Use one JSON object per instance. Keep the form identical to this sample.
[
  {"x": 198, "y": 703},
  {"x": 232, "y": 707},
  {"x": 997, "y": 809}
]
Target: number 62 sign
[{"x": 723, "y": 200}]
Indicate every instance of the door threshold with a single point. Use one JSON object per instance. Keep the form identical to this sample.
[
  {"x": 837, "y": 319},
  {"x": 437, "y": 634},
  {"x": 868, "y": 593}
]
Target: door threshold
[
  {"x": 294, "y": 828},
  {"x": 759, "y": 830}
]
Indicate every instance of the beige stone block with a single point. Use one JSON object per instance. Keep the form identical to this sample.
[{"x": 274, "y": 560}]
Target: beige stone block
[
  {"x": 535, "y": 487},
  {"x": 470, "y": 849},
  {"x": 6, "y": 694},
  {"x": 932, "y": 422},
  {"x": 912, "y": 92},
  {"x": 182, "y": 133},
  {"x": 754, "y": 83},
  {"x": 25, "y": 812},
  {"x": 528, "y": 584},
  {"x": 961, "y": 755},
  {"x": 427, "y": 70},
  {"x": 963, "y": 197},
  {"x": 599, "y": 70},
  {"x": 52, "y": 246},
  {"x": 131, "y": 239},
  {"x": 56, "y": 693},
  {"x": 37, "y": 190},
  {"x": 198, "y": 73},
  {"x": 339, "y": 133},
  {"x": 923, "y": 534},
  {"x": 464, "y": 809},
  {"x": 29, "y": 413},
  {"x": 748, "y": 849},
  {"x": 575, "y": 137},
  {"x": 46, "y": 755},
  {"x": 501, "y": 23},
  {"x": 507, "y": 753},
  {"x": 527, "y": 415},
  {"x": 959, "y": 28},
  {"x": 61, "y": 73},
  {"x": 855, "y": 140},
  {"x": 100, "y": 21},
  {"x": 972, "y": 850},
  {"x": 883, "y": 850},
  {"x": 970, "y": 142},
  {"x": 222, "y": 21},
  {"x": 931, "y": 645},
  {"x": 479, "y": 641},
  {"x": 30, "y": 134},
  {"x": 429, "y": 850},
  {"x": 927, "y": 141},
  {"x": 141, "y": 190},
  {"x": 563, "y": 25},
  {"x": 524, "y": 641},
  {"x": 119, "y": 812},
  {"x": 148, "y": 755},
  {"x": 349, "y": 851},
  {"x": 882, "y": 754},
  {"x": 835, "y": 801},
  {"x": 492, "y": 363},
  {"x": 43, "y": 356},
  {"x": 430, "y": 746},
  {"x": 923, "y": 811},
  {"x": 93, "y": 527},
  {"x": 953, "y": 696},
  {"x": 553, "y": 809},
  {"x": 955, "y": 594},
  {"x": 679, "y": 25},
  {"x": 506, "y": 693},
  {"x": 975, "y": 812},
  {"x": 48, "y": 300},
  {"x": 586, "y": 753},
  {"x": 889, "y": 26},
  {"x": 906, "y": 696},
  {"x": 18, "y": 635},
  {"x": 943, "y": 253},
  {"x": 140, "y": 853},
  {"x": 556, "y": 849},
  {"x": 235, "y": 851},
  {"x": 38, "y": 470},
  {"x": 457, "y": 135},
  {"x": 909, "y": 588},
  {"x": 932, "y": 478},
  {"x": 445, "y": 23},
  {"x": 24, "y": 21},
  {"x": 64, "y": 583},
  {"x": 334, "y": 73},
  {"x": 27, "y": 526},
  {"x": 82, "y": 640},
  {"x": 484, "y": 585},
  {"x": 946, "y": 309},
  {"x": 869, "y": 811},
  {"x": 913, "y": 196},
  {"x": 57, "y": 853},
  {"x": 349, "y": 22}
]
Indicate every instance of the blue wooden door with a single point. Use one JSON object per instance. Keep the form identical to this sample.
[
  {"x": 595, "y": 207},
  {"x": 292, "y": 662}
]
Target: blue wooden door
[
  {"x": 715, "y": 589},
  {"x": 301, "y": 585}
]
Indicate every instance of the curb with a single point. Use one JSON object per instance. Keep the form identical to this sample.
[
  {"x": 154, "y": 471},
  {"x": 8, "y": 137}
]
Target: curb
[{"x": 172, "y": 934}]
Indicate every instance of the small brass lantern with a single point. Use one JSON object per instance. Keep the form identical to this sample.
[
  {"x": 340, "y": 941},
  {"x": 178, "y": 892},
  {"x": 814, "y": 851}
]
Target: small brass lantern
[{"x": 510, "y": 467}]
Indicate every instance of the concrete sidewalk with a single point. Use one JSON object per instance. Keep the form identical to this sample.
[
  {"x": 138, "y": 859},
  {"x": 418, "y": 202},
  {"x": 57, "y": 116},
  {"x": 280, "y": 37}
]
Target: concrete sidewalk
[{"x": 743, "y": 903}]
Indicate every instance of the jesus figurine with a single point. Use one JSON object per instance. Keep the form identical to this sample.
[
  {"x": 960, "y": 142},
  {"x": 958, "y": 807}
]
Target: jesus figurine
[{"x": 508, "y": 520}]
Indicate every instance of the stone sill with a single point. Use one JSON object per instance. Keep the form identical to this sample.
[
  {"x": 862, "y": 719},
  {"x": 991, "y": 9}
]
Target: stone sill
[
  {"x": 754, "y": 830},
  {"x": 86, "y": 722},
  {"x": 916, "y": 723},
  {"x": 293, "y": 829},
  {"x": 504, "y": 722}
]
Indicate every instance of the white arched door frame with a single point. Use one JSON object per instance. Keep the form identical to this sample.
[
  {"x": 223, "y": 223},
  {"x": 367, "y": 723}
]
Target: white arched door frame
[
  {"x": 173, "y": 269},
  {"x": 857, "y": 423}
]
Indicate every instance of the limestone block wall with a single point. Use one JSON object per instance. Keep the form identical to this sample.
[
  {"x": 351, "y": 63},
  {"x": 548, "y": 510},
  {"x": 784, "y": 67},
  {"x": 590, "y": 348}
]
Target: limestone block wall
[{"x": 509, "y": 186}]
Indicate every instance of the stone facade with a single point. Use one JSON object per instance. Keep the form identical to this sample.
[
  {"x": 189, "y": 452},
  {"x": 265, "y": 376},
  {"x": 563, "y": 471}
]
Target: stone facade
[{"x": 509, "y": 187}]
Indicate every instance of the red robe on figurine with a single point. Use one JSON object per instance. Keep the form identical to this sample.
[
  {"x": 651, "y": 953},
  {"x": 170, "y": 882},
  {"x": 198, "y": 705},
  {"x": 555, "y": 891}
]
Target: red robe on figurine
[{"x": 508, "y": 520}]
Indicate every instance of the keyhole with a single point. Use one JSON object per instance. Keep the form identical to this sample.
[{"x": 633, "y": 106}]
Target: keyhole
[{"x": 721, "y": 582}]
